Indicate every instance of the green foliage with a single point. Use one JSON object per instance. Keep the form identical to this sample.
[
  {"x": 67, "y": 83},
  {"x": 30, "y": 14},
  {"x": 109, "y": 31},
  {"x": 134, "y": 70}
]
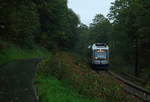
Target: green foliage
[
  {"x": 100, "y": 29},
  {"x": 82, "y": 40},
  {"x": 82, "y": 79},
  {"x": 126, "y": 31},
  {"x": 50, "y": 24},
  {"x": 21, "y": 23},
  {"x": 16, "y": 53},
  {"x": 58, "y": 24},
  {"x": 57, "y": 69},
  {"x": 130, "y": 31},
  {"x": 52, "y": 90},
  {"x": 26, "y": 24}
]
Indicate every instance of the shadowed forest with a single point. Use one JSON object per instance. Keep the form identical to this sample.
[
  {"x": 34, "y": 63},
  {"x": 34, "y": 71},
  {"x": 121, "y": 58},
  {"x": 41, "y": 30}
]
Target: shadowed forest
[
  {"x": 51, "y": 25},
  {"x": 33, "y": 28}
]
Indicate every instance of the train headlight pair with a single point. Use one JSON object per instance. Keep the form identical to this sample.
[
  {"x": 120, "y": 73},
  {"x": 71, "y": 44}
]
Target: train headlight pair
[{"x": 100, "y": 51}]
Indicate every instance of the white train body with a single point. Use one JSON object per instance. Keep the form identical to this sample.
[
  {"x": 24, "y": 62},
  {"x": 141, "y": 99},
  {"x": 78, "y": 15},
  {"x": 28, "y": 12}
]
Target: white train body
[{"x": 99, "y": 55}]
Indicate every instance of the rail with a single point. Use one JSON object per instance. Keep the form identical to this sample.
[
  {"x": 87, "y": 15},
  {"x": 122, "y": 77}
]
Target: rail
[{"x": 133, "y": 88}]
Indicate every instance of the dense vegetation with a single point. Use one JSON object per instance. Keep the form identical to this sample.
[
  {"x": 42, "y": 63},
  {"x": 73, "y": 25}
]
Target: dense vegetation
[
  {"x": 30, "y": 23},
  {"x": 31, "y": 28},
  {"x": 126, "y": 30},
  {"x": 15, "y": 53},
  {"x": 80, "y": 80},
  {"x": 50, "y": 90},
  {"x": 131, "y": 23},
  {"x": 52, "y": 25}
]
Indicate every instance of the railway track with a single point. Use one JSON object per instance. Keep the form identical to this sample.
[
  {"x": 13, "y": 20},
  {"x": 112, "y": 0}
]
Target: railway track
[
  {"x": 135, "y": 79},
  {"x": 132, "y": 88}
]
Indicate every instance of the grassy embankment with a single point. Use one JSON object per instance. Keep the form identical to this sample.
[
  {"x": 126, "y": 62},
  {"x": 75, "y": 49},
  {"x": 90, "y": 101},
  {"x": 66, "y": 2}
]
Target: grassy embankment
[
  {"x": 66, "y": 78},
  {"x": 16, "y": 53},
  {"x": 52, "y": 90}
]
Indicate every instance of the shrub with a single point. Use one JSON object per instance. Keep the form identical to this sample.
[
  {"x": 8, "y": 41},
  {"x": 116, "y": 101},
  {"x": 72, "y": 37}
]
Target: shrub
[{"x": 82, "y": 79}]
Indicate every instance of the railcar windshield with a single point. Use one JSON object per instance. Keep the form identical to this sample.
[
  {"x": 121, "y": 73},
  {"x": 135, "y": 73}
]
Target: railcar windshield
[{"x": 100, "y": 54}]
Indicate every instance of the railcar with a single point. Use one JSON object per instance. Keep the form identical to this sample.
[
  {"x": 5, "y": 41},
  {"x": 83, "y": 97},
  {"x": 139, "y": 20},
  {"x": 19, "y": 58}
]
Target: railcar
[{"x": 98, "y": 55}]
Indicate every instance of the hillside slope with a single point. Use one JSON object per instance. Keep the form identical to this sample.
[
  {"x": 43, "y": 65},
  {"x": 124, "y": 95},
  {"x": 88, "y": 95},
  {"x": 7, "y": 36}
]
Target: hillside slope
[{"x": 76, "y": 75}]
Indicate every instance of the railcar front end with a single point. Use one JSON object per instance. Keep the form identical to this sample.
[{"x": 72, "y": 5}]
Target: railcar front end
[{"x": 99, "y": 56}]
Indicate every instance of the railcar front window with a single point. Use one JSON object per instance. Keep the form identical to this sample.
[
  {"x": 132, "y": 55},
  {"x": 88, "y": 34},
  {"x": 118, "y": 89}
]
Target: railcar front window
[{"x": 100, "y": 55}]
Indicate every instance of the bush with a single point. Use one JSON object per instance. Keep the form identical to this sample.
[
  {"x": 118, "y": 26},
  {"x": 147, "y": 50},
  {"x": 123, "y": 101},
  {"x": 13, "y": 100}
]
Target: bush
[
  {"x": 51, "y": 89},
  {"x": 83, "y": 80}
]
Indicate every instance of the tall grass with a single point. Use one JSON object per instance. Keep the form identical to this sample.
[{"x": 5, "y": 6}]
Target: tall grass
[
  {"x": 80, "y": 78},
  {"x": 51, "y": 89},
  {"x": 15, "y": 53}
]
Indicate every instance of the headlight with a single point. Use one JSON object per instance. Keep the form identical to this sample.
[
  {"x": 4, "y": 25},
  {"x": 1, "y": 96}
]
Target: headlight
[
  {"x": 100, "y": 51},
  {"x": 96, "y": 58}
]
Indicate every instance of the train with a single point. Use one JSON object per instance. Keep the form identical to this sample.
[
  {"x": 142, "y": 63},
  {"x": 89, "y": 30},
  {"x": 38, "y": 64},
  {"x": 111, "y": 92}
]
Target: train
[{"x": 98, "y": 55}]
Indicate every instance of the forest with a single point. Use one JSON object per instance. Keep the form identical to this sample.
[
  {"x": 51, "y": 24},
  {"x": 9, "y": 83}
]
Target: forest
[
  {"x": 51, "y": 25},
  {"x": 35, "y": 28}
]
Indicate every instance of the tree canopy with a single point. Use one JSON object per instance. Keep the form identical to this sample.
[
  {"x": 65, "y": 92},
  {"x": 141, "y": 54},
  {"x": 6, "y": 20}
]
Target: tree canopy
[{"x": 47, "y": 23}]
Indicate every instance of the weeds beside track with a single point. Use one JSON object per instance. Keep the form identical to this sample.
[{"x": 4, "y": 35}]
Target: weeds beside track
[{"x": 132, "y": 88}]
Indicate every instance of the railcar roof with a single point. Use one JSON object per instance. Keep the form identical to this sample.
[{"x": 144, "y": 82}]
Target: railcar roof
[{"x": 94, "y": 47}]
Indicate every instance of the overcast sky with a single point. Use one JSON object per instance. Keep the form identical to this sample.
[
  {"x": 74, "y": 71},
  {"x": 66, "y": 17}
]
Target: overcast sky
[{"x": 87, "y": 9}]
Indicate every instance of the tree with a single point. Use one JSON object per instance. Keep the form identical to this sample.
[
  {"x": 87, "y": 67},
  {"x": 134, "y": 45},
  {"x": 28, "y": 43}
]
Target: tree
[
  {"x": 47, "y": 23},
  {"x": 82, "y": 39},
  {"x": 132, "y": 18},
  {"x": 100, "y": 29},
  {"x": 21, "y": 22}
]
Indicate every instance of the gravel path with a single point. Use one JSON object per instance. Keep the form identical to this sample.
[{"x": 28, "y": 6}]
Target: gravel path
[{"x": 16, "y": 81}]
